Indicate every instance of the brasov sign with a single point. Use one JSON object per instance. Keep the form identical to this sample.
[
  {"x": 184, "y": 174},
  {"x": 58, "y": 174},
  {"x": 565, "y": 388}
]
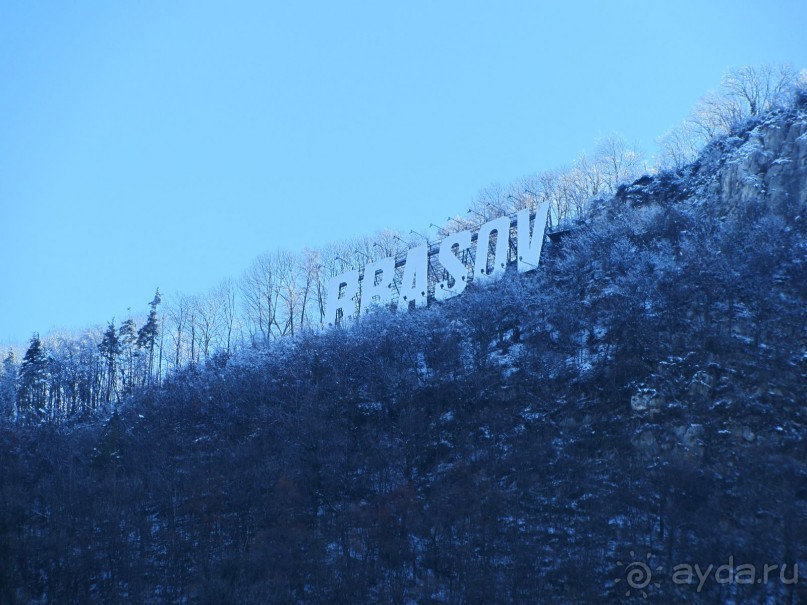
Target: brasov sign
[{"x": 440, "y": 271}]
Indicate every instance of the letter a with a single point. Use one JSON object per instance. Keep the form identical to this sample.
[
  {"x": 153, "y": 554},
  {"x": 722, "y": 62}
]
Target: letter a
[{"x": 415, "y": 279}]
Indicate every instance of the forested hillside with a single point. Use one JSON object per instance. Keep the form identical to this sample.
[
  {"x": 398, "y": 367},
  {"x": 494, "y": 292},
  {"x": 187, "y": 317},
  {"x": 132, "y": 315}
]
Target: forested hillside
[{"x": 640, "y": 394}]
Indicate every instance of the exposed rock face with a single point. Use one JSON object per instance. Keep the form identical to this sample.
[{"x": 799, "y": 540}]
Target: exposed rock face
[
  {"x": 646, "y": 443},
  {"x": 646, "y": 400},
  {"x": 765, "y": 161},
  {"x": 690, "y": 442},
  {"x": 701, "y": 384}
]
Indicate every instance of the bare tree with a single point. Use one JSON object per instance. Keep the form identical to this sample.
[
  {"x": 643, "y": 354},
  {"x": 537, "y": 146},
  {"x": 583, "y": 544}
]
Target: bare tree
[
  {"x": 207, "y": 321},
  {"x": 387, "y": 243},
  {"x": 491, "y": 201},
  {"x": 570, "y": 195},
  {"x": 745, "y": 92},
  {"x": 225, "y": 292},
  {"x": 289, "y": 292},
  {"x": 678, "y": 147},
  {"x": 179, "y": 316},
  {"x": 591, "y": 173},
  {"x": 259, "y": 289},
  {"x": 760, "y": 88},
  {"x": 548, "y": 191},
  {"x": 311, "y": 311},
  {"x": 616, "y": 162},
  {"x": 715, "y": 114}
]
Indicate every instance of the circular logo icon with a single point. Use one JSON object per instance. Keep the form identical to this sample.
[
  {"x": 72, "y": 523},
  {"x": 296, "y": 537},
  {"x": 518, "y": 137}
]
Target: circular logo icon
[{"x": 637, "y": 575}]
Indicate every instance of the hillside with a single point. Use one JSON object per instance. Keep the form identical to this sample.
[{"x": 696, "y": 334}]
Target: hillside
[{"x": 641, "y": 394}]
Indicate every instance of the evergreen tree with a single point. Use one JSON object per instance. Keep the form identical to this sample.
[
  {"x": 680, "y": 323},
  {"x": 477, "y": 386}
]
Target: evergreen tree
[
  {"x": 147, "y": 336},
  {"x": 127, "y": 341},
  {"x": 34, "y": 374},
  {"x": 8, "y": 387},
  {"x": 110, "y": 349}
]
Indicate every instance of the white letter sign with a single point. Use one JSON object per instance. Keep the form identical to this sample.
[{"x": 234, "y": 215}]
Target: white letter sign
[{"x": 380, "y": 280}]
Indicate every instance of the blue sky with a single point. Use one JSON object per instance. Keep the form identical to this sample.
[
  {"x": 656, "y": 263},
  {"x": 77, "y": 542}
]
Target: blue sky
[{"x": 167, "y": 144}]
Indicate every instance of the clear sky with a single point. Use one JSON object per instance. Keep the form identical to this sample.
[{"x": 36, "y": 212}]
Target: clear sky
[{"x": 147, "y": 144}]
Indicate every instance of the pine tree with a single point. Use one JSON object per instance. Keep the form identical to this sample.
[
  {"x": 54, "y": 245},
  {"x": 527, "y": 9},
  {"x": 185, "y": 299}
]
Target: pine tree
[
  {"x": 127, "y": 341},
  {"x": 110, "y": 349},
  {"x": 147, "y": 336},
  {"x": 34, "y": 373}
]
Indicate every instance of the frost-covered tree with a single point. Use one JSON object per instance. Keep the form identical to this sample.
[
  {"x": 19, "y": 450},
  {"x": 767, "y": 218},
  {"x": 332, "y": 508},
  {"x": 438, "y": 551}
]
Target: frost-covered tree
[
  {"x": 678, "y": 146},
  {"x": 760, "y": 89},
  {"x": 745, "y": 92},
  {"x": 617, "y": 161},
  {"x": 127, "y": 339},
  {"x": 32, "y": 396},
  {"x": 8, "y": 387},
  {"x": 209, "y": 319},
  {"x": 260, "y": 291},
  {"x": 110, "y": 350},
  {"x": 147, "y": 336}
]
